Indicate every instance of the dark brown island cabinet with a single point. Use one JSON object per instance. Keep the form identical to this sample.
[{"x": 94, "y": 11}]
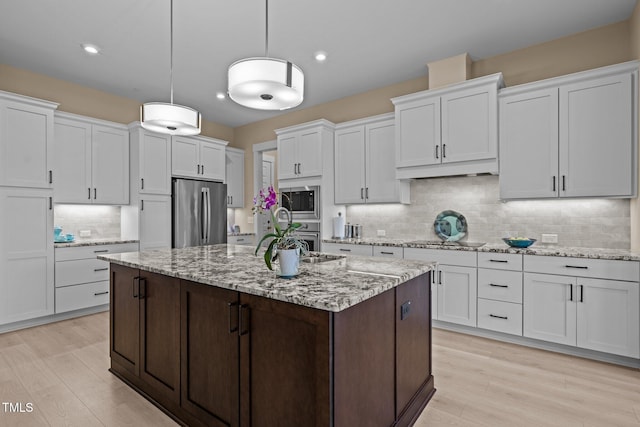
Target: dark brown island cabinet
[{"x": 209, "y": 356}]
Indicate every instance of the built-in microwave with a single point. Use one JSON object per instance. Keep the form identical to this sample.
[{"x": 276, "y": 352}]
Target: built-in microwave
[{"x": 302, "y": 202}]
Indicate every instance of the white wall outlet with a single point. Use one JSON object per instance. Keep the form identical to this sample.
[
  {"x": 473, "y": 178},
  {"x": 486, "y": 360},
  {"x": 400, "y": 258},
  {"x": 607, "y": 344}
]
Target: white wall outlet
[
  {"x": 85, "y": 233},
  {"x": 549, "y": 238},
  {"x": 382, "y": 233}
]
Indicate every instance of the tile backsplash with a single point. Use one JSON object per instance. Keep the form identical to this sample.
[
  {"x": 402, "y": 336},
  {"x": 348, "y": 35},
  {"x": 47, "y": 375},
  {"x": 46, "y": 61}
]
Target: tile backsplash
[
  {"x": 597, "y": 223},
  {"x": 102, "y": 221}
]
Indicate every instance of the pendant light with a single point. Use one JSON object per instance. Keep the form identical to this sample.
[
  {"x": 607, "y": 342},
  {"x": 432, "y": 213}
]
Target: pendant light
[
  {"x": 266, "y": 83},
  {"x": 170, "y": 118}
]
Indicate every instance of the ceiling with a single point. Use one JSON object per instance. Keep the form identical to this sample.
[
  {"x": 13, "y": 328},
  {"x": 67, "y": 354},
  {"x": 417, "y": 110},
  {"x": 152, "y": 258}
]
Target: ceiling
[{"x": 370, "y": 44}]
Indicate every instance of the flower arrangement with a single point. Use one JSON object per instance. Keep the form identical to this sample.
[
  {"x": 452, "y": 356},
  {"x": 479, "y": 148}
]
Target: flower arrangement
[{"x": 281, "y": 238}]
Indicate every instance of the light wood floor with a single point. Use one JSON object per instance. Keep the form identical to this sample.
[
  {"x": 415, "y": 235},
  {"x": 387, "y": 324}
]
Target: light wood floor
[{"x": 61, "y": 369}]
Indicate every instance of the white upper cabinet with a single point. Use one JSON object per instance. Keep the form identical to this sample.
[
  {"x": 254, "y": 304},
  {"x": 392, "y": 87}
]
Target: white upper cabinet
[
  {"x": 300, "y": 149},
  {"x": 198, "y": 157},
  {"x": 235, "y": 177},
  {"x": 26, "y": 141},
  {"x": 150, "y": 161},
  {"x": 572, "y": 136},
  {"x": 91, "y": 161},
  {"x": 448, "y": 131},
  {"x": 364, "y": 162}
]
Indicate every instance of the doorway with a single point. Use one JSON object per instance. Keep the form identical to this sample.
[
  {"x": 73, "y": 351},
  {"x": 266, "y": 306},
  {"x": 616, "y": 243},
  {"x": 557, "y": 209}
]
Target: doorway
[{"x": 264, "y": 175}]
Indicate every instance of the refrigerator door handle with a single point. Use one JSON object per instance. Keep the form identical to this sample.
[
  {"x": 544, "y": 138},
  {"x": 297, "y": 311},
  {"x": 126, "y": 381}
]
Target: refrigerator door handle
[
  {"x": 207, "y": 215},
  {"x": 203, "y": 213}
]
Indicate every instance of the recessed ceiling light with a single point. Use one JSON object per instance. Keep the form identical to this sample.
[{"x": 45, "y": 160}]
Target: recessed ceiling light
[
  {"x": 320, "y": 56},
  {"x": 91, "y": 49},
  {"x": 220, "y": 95}
]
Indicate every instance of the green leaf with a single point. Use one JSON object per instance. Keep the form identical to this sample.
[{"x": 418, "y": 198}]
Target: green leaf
[
  {"x": 266, "y": 236},
  {"x": 268, "y": 254}
]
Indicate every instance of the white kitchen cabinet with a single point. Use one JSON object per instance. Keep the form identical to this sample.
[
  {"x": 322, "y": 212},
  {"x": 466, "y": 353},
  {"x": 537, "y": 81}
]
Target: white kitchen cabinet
[
  {"x": 454, "y": 284},
  {"x": 91, "y": 161},
  {"x": 26, "y": 254},
  {"x": 235, "y": 177},
  {"x": 388, "y": 251},
  {"x": 448, "y": 131},
  {"x": 571, "y": 136},
  {"x": 588, "y": 312},
  {"x": 148, "y": 220},
  {"x": 26, "y": 141},
  {"x": 364, "y": 163},
  {"x": 198, "y": 157},
  {"x": 347, "y": 249},
  {"x": 300, "y": 149},
  {"x": 150, "y": 159},
  {"x": 82, "y": 280},
  {"x": 244, "y": 239}
]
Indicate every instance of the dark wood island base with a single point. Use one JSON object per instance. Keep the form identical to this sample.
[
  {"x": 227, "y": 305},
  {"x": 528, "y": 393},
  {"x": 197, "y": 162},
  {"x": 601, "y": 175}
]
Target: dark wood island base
[{"x": 210, "y": 356}]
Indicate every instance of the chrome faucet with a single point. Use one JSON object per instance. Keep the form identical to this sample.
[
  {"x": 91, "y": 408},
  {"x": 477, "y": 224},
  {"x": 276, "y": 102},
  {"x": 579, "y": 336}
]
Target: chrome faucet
[{"x": 286, "y": 211}]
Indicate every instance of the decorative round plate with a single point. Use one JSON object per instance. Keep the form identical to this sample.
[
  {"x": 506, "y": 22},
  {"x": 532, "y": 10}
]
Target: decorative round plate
[{"x": 450, "y": 226}]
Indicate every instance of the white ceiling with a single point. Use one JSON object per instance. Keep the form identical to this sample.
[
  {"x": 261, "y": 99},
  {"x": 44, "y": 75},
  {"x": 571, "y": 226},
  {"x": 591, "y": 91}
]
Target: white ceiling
[{"x": 371, "y": 43}]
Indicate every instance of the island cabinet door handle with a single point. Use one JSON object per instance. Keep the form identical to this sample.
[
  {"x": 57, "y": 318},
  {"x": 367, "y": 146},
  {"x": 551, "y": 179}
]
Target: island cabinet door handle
[
  {"x": 244, "y": 324},
  {"x": 142, "y": 288},
  {"x": 233, "y": 326},
  {"x": 135, "y": 288}
]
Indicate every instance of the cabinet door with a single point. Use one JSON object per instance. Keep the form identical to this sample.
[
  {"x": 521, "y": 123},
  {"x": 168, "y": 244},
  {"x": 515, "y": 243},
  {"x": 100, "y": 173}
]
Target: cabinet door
[
  {"x": 350, "y": 165},
  {"x": 285, "y": 363},
  {"x": 287, "y": 156},
  {"x": 209, "y": 354},
  {"x": 310, "y": 154},
  {"x": 457, "y": 292},
  {"x": 418, "y": 133},
  {"x": 608, "y": 318},
  {"x": 549, "y": 308},
  {"x": 155, "y": 163},
  {"x": 125, "y": 318},
  {"x": 212, "y": 161},
  {"x": 72, "y": 162},
  {"x": 234, "y": 171},
  {"x": 155, "y": 222},
  {"x": 160, "y": 334},
  {"x": 110, "y": 165},
  {"x": 470, "y": 125},
  {"x": 26, "y": 254},
  {"x": 26, "y": 145},
  {"x": 597, "y": 154},
  {"x": 529, "y": 145},
  {"x": 184, "y": 157},
  {"x": 381, "y": 182}
]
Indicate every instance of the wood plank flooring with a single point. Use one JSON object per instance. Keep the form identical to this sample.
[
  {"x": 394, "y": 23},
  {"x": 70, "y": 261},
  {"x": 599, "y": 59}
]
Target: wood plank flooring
[{"x": 61, "y": 369}]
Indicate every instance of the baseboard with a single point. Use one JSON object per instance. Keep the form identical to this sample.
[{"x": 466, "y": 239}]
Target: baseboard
[{"x": 38, "y": 321}]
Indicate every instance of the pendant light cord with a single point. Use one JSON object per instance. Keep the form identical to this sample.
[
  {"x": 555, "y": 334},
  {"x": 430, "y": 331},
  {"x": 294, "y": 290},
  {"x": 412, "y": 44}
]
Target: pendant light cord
[
  {"x": 171, "y": 51},
  {"x": 266, "y": 29}
]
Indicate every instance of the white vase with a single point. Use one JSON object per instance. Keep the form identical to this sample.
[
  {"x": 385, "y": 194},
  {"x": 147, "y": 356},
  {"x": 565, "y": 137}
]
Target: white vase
[{"x": 288, "y": 260}]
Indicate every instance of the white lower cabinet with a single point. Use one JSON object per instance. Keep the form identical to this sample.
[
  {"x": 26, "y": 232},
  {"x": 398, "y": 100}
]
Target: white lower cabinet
[
  {"x": 155, "y": 222},
  {"x": 241, "y": 240},
  {"x": 347, "y": 249},
  {"x": 82, "y": 280},
  {"x": 500, "y": 316},
  {"x": 592, "y": 313},
  {"x": 26, "y": 254}
]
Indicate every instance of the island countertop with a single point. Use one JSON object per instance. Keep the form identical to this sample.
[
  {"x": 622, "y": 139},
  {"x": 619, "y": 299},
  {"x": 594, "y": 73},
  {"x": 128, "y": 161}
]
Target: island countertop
[{"x": 331, "y": 285}]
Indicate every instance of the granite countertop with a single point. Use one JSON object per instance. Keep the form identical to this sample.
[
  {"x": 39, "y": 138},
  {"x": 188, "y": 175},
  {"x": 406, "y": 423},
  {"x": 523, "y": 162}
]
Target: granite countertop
[
  {"x": 90, "y": 242},
  {"x": 332, "y": 286},
  {"x": 535, "y": 249}
]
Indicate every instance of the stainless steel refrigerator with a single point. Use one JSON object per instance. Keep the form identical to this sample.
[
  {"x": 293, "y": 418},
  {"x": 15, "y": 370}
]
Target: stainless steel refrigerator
[{"x": 199, "y": 213}]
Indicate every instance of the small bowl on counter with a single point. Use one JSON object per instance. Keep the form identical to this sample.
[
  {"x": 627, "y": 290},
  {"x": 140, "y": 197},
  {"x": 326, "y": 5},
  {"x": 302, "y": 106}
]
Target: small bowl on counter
[{"x": 519, "y": 242}]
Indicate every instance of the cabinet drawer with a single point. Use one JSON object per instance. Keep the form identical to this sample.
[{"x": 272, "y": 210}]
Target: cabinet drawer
[
  {"x": 583, "y": 267},
  {"x": 240, "y": 240},
  {"x": 500, "y": 285},
  {"x": 388, "y": 251},
  {"x": 500, "y": 316},
  {"x": 347, "y": 249},
  {"x": 80, "y": 252},
  {"x": 78, "y": 271},
  {"x": 82, "y": 296},
  {"x": 500, "y": 261},
  {"x": 442, "y": 256}
]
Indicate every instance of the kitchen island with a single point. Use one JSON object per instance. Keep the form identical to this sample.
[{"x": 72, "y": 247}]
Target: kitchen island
[{"x": 214, "y": 338}]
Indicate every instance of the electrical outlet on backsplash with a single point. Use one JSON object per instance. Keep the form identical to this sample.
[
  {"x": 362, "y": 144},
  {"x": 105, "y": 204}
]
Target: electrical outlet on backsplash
[
  {"x": 595, "y": 223},
  {"x": 91, "y": 222}
]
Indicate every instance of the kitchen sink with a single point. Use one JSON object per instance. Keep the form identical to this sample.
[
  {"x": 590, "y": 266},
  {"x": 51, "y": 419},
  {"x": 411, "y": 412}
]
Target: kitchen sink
[
  {"x": 315, "y": 258},
  {"x": 445, "y": 243}
]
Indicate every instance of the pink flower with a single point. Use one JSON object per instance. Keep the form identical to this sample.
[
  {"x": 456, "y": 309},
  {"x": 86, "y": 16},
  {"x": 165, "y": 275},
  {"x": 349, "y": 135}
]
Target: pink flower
[{"x": 271, "y": 200}]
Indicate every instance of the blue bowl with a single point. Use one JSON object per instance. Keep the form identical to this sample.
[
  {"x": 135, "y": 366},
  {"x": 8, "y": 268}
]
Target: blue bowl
[{"x": 519, "y": 243}]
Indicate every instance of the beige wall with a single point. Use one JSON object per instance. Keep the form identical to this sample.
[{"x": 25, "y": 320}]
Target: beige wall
[
  {"x": 74, "y": 98},
  {"x": 590, "y": 49},
  {"x": 634, "y": 37}
]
